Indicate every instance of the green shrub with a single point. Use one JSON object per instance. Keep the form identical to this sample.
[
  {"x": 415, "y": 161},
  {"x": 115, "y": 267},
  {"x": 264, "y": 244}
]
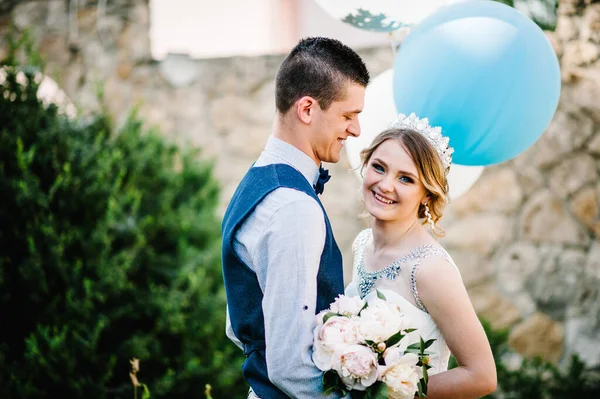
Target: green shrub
[
  {"x": 535, "y": 378},
  {"x": 109, "y": 250}
]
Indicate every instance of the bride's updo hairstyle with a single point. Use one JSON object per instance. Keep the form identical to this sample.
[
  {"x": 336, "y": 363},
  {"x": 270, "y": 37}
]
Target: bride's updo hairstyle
[{"x": 429, "y": 166}]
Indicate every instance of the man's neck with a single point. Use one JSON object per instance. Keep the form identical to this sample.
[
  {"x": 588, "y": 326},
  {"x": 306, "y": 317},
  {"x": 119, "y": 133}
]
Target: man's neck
[{"x": 287, "y": 132}]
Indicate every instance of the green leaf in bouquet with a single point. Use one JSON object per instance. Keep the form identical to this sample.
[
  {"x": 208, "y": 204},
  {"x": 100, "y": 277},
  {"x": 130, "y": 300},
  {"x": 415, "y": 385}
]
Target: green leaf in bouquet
[
  {"x": 424, "y": 382},
  {"x": 421, "y": 393},
  {"x": 380, "y": 391},
  {"x": 409, "y": 330},
  {"x": 425, "y": 344},
  {"x": 380, "y": 295},
  {"x": 329, "y": 315},
  {"x": 361, "y": 394},
  {"x": 414, "y": 348},
  {"x": 330, "y": 381},
  {"x": 394, "y": 339}
]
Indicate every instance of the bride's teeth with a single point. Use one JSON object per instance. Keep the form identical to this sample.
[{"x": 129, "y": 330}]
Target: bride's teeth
[{"x": 383, "y": 199}]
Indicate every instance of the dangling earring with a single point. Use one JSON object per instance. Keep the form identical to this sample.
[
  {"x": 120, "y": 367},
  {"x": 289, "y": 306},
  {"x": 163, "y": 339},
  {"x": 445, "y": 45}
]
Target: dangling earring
[{"x": 429, "y": 218}]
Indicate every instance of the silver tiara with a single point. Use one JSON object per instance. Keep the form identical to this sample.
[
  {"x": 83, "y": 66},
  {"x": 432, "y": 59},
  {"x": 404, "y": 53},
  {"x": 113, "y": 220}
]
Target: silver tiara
[{"x": 433, "y": 134}]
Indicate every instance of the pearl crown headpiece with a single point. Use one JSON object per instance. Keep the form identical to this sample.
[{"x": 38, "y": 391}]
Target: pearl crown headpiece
[{"x": 432, "y": 134}]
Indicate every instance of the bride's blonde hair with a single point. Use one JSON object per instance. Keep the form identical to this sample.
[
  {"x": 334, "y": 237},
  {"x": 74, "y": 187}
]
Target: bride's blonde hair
[{"x": 429, "y": 166}]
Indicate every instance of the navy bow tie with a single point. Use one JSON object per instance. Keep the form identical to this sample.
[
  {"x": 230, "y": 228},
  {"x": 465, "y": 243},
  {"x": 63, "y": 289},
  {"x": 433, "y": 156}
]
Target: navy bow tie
[{"x": 323, "y": 178}]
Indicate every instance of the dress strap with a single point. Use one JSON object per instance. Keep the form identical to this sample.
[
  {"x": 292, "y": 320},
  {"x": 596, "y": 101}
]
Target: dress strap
[
  {"x": 358, "y": 249},
  {"x": 427, "y": 252},
  {"x": 360, "y": 241}
]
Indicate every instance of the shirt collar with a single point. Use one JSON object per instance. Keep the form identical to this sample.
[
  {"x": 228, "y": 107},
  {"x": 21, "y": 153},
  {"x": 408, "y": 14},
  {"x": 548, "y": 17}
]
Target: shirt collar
[{"x": 292, "y": 156}]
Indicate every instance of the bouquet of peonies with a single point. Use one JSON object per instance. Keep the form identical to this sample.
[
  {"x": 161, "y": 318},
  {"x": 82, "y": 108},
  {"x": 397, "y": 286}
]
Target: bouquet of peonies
[{"x": 366, "y": 349}]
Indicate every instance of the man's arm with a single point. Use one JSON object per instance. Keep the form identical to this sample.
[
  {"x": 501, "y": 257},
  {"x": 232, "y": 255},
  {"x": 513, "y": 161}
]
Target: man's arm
[{"x": 291, "y": 248}]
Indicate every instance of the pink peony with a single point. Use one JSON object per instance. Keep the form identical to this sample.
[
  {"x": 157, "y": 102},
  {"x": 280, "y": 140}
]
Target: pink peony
[
  {"x": 357, "y": 366},
  {"x": 337, "y": 332}
]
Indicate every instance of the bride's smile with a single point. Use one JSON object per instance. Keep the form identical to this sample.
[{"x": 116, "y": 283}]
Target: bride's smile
[
  {"x": 384, "y": 200},
  {"x": 392, "y": 190}
]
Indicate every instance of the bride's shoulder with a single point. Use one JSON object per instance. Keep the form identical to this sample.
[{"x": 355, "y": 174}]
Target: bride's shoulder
[
  {"x": 436, "y": 283},
  {"x": 436, "y": 268}
]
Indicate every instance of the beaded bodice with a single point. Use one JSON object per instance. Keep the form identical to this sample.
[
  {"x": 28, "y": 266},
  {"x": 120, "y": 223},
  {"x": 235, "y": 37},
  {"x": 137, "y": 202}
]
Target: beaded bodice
[{"x": 367, "y": 280}]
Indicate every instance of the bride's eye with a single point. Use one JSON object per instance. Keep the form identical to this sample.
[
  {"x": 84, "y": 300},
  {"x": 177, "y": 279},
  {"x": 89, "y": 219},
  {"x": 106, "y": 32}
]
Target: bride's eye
[
  {"x": 406, "y": 179},
  {"x": 377, "y": 167}
]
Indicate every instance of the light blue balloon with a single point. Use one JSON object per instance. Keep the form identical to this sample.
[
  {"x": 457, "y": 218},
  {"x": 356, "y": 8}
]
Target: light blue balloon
[{"x": 485, "y": 73}]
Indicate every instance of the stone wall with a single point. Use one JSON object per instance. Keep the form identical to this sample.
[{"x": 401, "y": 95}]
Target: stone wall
[{"x": 525, "y": 237}]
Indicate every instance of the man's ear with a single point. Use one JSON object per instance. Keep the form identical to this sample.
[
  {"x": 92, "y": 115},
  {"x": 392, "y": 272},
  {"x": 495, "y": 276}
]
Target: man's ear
[{"x": 305, "y": 108}]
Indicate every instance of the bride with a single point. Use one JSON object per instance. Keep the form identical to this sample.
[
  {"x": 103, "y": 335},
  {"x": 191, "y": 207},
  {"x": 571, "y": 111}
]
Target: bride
[{"x": 404, "y": 181}]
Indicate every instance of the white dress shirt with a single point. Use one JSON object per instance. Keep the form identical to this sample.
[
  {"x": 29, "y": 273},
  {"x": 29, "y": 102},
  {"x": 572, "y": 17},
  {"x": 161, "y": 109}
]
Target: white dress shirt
[{"x": 282, "y": 241}]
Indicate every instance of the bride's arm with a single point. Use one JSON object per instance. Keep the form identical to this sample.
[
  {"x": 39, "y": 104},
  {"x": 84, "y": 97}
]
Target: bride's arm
[{"x": 442, "y": 292}]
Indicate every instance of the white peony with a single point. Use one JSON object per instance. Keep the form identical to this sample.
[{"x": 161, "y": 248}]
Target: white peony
[
  {"x": 400, "y": 373},
  {"x": 395, "y": 354},
  {"x": 357, "y": 366},
  {"x": 380, "y": 320},
  {"x": 337, "y": 332},
  {"x": 347, "y": 305}
]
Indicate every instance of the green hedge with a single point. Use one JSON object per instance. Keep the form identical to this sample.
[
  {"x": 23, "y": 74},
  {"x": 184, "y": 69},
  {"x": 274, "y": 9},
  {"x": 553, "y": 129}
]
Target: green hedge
[
  {"x": 535, "y": 378},
  {"x": 109, "y": 250}
]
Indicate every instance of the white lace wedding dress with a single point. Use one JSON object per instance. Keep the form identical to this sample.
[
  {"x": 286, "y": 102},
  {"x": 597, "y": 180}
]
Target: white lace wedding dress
[{"x": 397, "y": 282}]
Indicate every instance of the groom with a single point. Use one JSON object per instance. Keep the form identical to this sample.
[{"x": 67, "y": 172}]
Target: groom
[{"x": 281, "y": 264}]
